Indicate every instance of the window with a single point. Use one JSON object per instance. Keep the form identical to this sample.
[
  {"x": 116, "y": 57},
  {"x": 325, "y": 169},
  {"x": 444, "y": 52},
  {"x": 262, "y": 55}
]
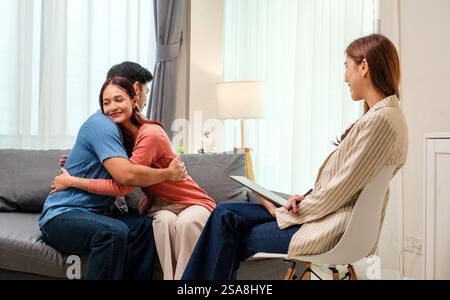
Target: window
[{"x": 56, "y": 54}]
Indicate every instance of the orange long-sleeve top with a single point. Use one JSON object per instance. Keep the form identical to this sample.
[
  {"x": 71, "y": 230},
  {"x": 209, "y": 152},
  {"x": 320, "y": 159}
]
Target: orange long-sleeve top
[{"x": 153, "y": 148}]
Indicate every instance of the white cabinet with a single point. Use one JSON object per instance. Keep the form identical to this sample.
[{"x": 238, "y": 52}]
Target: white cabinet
[{"x": 437, "y": 208}]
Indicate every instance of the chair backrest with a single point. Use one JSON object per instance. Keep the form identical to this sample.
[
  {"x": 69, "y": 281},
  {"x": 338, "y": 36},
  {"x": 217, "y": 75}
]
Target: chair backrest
[{"x": 361, "y": 233}]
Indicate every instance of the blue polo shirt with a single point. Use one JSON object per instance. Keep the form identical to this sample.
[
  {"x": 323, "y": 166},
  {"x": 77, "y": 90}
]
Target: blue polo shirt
[{"x": 98, "y": 139}]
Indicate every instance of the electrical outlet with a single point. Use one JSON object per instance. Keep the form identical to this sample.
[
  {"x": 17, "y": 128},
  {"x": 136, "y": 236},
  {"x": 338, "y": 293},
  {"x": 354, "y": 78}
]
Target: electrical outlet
[{"x": 412, "y": 245}]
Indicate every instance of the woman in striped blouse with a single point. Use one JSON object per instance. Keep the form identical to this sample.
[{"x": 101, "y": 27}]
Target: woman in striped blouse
[{"x": 314, "y": 224}]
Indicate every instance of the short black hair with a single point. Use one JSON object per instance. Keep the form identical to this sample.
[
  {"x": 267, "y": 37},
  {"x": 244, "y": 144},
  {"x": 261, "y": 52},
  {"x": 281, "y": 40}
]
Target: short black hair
[{"x": 131, "y": 71}]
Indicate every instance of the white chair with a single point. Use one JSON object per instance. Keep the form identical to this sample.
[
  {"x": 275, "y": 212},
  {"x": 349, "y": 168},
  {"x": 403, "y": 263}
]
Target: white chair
[{"x": 359, "y": 237}]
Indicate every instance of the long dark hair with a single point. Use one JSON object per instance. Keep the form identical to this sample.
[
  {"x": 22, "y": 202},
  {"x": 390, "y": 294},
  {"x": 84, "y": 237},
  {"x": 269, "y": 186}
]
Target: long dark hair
[
  {"x": 384, "y": 66},
  {"x": 136, "y": 119}
]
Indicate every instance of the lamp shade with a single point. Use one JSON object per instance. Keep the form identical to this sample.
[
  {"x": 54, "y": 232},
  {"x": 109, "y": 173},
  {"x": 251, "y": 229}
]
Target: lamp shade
[{"x": 241, "y": 100}]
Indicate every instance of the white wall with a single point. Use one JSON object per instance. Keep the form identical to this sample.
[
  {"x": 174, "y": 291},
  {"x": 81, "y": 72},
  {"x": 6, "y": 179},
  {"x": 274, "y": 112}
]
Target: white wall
[
  {"x": 206, "y": 69},
  {"x": 425, "y": 52}
]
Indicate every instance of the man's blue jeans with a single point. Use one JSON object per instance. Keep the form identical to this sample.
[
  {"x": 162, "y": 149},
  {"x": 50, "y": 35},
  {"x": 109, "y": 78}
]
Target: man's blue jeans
[
  {"x": 233, "y": 233},
  {"x": 119, "y": 247}
]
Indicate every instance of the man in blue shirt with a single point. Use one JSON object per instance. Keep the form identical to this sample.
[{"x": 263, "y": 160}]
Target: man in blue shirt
[{"x": 78, "y": 223}]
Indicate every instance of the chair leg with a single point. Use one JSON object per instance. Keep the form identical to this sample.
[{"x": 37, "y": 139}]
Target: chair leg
[
  {"x": 307, "y": 273},
  {"x": 290, "y": 273},
  {"x": 335, "y": 273},
  {"x": 352, "y": 272}
]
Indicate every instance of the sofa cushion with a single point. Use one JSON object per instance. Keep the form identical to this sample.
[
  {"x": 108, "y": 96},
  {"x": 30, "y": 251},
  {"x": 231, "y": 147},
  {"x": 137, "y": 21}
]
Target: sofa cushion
[
  {"x": 23, "y": 250},
  {"x": 26, "y": 178},
  {"x": 212, "y": 171}
]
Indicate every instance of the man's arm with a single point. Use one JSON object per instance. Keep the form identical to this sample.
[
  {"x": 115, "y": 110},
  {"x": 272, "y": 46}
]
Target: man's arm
[{"x": 127, "y": 173}]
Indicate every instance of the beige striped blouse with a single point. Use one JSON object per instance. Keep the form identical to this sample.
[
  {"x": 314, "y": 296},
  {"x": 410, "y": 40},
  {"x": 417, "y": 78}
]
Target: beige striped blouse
[{"x": 378, "y": 139}]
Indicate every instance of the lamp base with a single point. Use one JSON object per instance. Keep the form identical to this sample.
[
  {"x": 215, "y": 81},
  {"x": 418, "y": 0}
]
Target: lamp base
[{"x": 248, "y": 162}]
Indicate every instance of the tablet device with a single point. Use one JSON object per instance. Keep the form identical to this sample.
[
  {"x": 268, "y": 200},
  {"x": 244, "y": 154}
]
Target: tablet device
[{"x": 269, "y": 195}]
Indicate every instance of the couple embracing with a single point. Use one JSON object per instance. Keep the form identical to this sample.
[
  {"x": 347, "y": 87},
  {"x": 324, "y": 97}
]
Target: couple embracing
[{"x": 117, "y": 149}]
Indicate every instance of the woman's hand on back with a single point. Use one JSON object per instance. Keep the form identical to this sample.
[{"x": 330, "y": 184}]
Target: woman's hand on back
[
  {"x": 62, "y": 160},
  {"x": 61, "y": 182}
]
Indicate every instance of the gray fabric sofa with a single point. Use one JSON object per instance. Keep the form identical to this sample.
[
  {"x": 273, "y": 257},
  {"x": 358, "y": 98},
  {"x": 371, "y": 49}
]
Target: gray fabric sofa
[{"x": 24, "y": 185}]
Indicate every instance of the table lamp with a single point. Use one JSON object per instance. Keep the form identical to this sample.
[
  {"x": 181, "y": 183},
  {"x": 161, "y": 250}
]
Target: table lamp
[{"x": 241, "y": 100}]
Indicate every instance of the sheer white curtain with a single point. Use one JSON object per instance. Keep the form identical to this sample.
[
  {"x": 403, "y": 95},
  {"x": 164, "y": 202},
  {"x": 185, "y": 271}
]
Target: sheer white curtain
[
  {"x": 297, "y": 48},
  {"x": 55, "y": 55}
]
